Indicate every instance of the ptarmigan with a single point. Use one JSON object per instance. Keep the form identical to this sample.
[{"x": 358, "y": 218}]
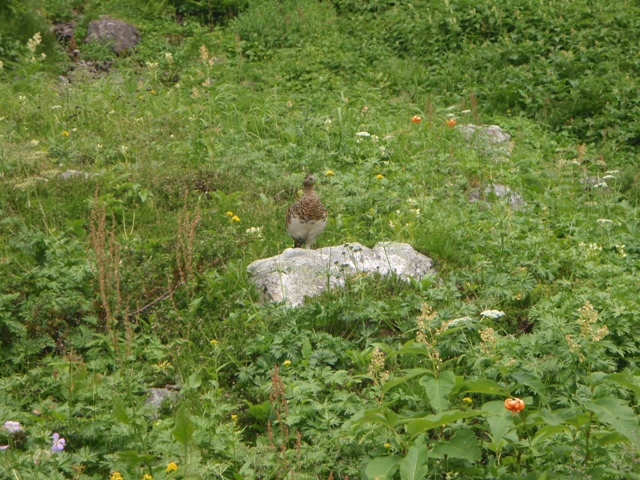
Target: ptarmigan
[{"x": 307, "y": 217}]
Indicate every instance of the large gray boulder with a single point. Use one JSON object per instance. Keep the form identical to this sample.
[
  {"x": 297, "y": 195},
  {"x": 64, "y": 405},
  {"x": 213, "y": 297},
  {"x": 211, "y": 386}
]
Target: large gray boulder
[
  {"x": 297, "y": 273},
  {"x": 117, "y": 33}
]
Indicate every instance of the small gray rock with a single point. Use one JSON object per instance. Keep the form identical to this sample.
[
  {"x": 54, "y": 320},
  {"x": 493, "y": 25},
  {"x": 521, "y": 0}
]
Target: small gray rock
[
  {"x": 64, "y": 31},
  {"x": 66, "y": 175},
  {"x": 157, "y": 396},
  {"x": 491, "y": 140},
  {"x": 516, "y": 202},
  {"x": 298, "y": 273},
  {"x": 119, "y": 34}
]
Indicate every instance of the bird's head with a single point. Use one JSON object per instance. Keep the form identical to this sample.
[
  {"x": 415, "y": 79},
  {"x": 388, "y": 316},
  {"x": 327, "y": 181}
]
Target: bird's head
[{"x": 309, "y": 181}]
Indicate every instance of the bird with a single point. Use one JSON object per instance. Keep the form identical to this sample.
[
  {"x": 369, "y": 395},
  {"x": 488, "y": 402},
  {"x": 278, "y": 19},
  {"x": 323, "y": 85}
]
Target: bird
[{"x": 307, "y": 216}]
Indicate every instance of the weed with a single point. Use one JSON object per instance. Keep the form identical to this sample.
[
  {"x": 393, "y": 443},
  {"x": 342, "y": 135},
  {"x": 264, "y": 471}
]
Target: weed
[{"x": 132, "y": 200}]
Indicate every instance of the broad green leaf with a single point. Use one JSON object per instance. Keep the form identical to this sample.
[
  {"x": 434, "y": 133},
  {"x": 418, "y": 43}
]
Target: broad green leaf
[
  {"x": 430, "y": 422},
  {"x": 119, "y": 411},
  {"x": 414, "y": 465},
  {"x": 183, "y": 431},
  {"x": 438, "y": 389},
  {"x": 133, "y": 459},
  {"x": 532, "y": 381},
  {"x": 463, "y": 444},
  {"x": 380, "y": 416},
  {"x": 556, "y": 417},
  {"x": 483, "y": 385},
  {"x": 411, "y": 347},
  {"x": 616, "y": 413},
  {"x": 381, "y": 468},
  {"x": 612, "y": 438},
  {"x": 548, "y": 432},
  {"x": 632, "y": 383},
  {"x": 193, "y": 382},
  {"x": 500, "y": 421},
  {"x": 409, "y": 374},
  {"x": 457, "y": 386},
  {"x": 578, "y": 420}
]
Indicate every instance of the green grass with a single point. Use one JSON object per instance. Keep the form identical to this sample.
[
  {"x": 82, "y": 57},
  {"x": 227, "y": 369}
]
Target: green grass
[{"x": 132, "y": 274}]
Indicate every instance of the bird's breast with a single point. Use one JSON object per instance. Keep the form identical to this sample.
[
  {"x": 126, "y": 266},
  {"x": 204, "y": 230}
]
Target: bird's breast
[{"x": 299, "y": 228}]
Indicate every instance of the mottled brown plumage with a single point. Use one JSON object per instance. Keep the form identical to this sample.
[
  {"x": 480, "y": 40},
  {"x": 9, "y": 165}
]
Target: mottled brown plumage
[{"x": 306, "y": 217}]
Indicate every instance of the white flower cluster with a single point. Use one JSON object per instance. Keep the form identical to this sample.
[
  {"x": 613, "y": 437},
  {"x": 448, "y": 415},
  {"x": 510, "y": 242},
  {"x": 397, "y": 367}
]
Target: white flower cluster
[
  {"x": 492, "y": 314},
  {"x": 257, "y": 231},
  {"x": 457, "y": 321},
  {"x": 591, "y": 248}
]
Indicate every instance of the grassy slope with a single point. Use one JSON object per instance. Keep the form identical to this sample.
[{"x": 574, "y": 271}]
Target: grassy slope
[{"x": 235, "y": 135}]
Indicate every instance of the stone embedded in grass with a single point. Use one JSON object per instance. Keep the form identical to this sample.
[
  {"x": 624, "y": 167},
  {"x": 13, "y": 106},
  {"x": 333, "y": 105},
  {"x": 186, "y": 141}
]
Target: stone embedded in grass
[
  {"x": 64, "y": 30},
  {"x": 297, "y": 273},
  {"x": 490, "y": 140},
  {"x": 121, "y": 35},
  {"x": 73, "y": 174},
  {"x": 157, "y": 396},
  {"x": 516, "y": 202}
]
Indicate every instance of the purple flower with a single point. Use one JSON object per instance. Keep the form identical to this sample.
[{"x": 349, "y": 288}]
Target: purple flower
[
  {"x": 12, "y": 427},
  {"x": 58, "y": 443}
]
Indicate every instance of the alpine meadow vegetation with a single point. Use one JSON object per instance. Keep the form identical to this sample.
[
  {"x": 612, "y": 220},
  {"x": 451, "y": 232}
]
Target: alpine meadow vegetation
[{"x": 136, "y": 189}]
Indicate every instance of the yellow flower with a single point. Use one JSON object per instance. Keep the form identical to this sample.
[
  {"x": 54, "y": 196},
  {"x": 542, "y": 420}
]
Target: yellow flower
[
  {"x": 65, "y": 133},
  {"x": 379, "y": 176},
  {"x": 172, "y": 467},
  {"x": 286, "y": 363},
  {"x": 229, "y": 214},
  {"x": 116, "y": 476},
  {"x": 467, "y": 400},
  {"x": 234, "y": 418},
  {"x": 387, "y": 446},
  {"x": 329, "y": 173},
  {"x": 153, "y": 92},
  {"x": 235, "y": 218},
  {"x": 163, "y": 365},
  {"x": 213, "y": 342},
  {"x": 146, "y": 476}
]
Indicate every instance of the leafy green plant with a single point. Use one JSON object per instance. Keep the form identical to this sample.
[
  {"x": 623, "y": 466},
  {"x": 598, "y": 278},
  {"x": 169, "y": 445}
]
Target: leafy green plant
[
  {"x": 211, "y": 11},
  {"x": 134, "y": 196}
]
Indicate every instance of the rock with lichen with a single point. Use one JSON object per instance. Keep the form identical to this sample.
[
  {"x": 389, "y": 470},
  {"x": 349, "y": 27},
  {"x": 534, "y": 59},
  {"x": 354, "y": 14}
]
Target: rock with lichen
[
  {"x": 120, "y": 35},
  {"x": 299, "y": 273}
]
